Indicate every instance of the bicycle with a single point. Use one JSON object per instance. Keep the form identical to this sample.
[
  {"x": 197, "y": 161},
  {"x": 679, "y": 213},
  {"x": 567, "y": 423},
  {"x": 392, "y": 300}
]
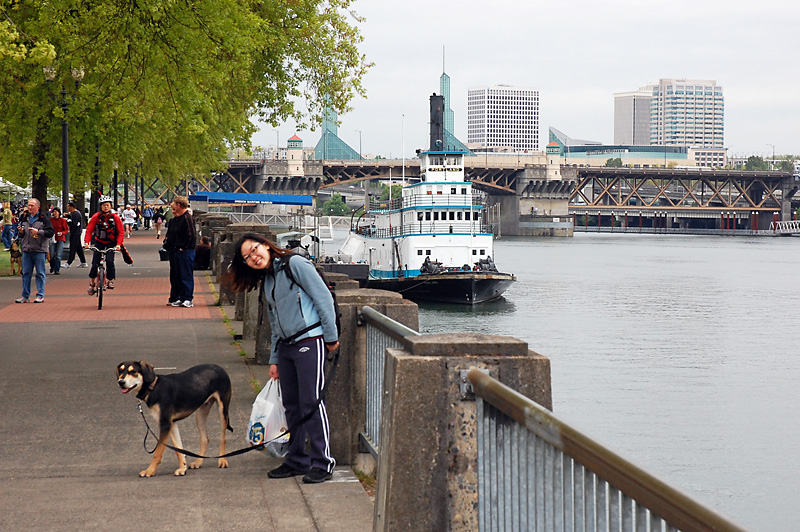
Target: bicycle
[{"x": 101, "y": 274}]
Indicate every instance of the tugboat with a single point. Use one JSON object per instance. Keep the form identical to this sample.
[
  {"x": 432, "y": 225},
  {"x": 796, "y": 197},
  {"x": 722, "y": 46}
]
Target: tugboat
[{"x": 433, "y": 243}]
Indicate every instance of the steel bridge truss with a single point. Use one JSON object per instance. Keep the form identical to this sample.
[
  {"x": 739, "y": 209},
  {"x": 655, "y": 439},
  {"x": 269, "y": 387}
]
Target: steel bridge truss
[{"x": 615, "y": 188}]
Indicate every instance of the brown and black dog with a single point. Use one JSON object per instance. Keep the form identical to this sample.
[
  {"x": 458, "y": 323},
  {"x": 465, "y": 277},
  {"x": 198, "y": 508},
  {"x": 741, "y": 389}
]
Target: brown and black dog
[
  {"x": 176, "y": 396},
  {"x": 16, "y": 258}
]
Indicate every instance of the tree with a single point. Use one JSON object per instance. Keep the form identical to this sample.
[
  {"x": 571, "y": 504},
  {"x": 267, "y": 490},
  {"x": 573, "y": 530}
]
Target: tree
[
  {"x": 787, "y": 164},
  {"x": 616, "y": 162},
  {"x": 397, "y": 192},
  {"x": 335, "y": 206},
  {"x": 170, "y": 85},
  {"x": 754, "y": 162}
]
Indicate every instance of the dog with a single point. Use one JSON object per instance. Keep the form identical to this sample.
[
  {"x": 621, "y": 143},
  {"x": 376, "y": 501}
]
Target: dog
[
  {"x": 176, "y": 396},
  {"x": 16, "y": 258}
]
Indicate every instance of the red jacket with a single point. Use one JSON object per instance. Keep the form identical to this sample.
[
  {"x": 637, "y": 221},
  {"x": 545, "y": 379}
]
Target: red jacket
[
  {"x": 60, "y": 226},
  {"x": 93, "y": 222}
]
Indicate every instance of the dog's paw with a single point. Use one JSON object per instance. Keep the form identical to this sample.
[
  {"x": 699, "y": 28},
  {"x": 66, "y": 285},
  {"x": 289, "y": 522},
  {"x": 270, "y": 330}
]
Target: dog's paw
[
  {"x": 197, "y": 464},
  {"x": 222, "y": 463},
  {"x": 181, "y": 471},
  {"x": 147, "y": 473}
]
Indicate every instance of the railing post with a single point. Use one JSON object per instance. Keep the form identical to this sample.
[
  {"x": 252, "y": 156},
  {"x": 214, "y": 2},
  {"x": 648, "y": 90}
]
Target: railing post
[{"x": 427, "y": 470}]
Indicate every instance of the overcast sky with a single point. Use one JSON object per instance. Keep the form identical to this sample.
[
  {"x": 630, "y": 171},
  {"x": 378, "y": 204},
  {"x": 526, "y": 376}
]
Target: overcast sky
[{"x": 577, "y": 53}]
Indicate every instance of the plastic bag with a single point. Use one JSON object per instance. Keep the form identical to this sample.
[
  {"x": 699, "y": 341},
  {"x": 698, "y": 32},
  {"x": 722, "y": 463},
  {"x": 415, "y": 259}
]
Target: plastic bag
[{"x": 268, "y": 421}]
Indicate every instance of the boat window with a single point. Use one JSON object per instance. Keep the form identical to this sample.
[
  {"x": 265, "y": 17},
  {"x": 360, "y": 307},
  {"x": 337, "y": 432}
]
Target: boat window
[
  {"x": 438, "y": 191},
  {"x": 466, "y": 215},
  {"x": 435, "y": 215},
  {"x": 483, "y": 252},
  {"x": 419, "y": 216},
  {"x": 453, "y": 190},
  {"x": 427, "y": 252},
  {"x": 452, "y": 215},
  {"x": 464, "y": 190},
  {"x": 474, "y": 251},
  {"x": 428, "y": 215},
  {"x": 458, "y": 215},
  {"x": 419, "y": 252}
]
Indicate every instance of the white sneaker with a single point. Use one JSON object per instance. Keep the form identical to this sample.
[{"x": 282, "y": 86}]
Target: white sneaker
[
  {"x": 187, "y": 304},
  {"x": 65, "y": 265},
  {"x": 83, "y": 265},
  {"x": 177, "y": 303}
]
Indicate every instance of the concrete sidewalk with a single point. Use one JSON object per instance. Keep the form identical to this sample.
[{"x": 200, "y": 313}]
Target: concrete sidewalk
[{"x": 73, "y": 443}]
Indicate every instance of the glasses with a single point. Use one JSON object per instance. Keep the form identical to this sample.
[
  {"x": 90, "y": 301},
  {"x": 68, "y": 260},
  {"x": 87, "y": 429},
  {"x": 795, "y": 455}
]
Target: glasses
[{"x": 249, "y": 256}]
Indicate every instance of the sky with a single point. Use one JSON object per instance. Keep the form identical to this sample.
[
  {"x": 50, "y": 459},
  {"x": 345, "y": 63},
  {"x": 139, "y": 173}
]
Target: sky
[{"x": 578, "y": 54}]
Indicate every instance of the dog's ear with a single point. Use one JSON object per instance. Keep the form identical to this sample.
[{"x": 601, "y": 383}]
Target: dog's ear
[{"x": 148, "y": 373}]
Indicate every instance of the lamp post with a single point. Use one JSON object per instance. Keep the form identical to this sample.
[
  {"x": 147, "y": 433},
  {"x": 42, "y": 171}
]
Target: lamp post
[
  {"x": 77, "y": 76},
  {"x": 772, "y": 161}
]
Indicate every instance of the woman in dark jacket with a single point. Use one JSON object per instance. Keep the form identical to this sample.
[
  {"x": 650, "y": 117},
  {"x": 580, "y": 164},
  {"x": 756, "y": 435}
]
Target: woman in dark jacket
[{"x": 303, "y": 321}]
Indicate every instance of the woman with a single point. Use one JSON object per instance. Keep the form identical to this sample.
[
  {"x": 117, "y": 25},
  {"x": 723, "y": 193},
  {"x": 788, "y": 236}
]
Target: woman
[
  {"x": 303, "y": 322},
  {"x": 57, "y": 245},
  {"x": 158, "y": 219},
  {"x": 105, "y": 232}
]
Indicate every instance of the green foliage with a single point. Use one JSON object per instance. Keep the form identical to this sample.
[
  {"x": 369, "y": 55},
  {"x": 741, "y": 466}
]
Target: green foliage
[
  {"x": 397, "y": 192},
  {"x": 786, "y": 165},
  {"x": 170, "y": 85},
  {"x": 754, "y": 162},
  {"x": 616, "y": 162},
  {"x": 335, "y": 206}
]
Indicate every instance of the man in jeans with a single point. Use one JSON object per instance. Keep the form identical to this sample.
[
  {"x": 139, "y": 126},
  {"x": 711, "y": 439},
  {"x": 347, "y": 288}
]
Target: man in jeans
[
  {"x": 36, "y": 231},
  {"x": 180, "y": 243}
]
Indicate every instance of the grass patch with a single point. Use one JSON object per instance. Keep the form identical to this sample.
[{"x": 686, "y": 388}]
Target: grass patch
[
  {"x": 256, "y": 385},
  {"x": 5, "y": 263},
  {"x": 368, "y": 482}
]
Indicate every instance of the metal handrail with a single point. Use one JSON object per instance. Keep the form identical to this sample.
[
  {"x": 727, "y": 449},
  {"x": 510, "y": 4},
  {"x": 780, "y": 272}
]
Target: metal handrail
[
  {"x": 382, "y": 332},
  {"x": 647, "y": 493}
]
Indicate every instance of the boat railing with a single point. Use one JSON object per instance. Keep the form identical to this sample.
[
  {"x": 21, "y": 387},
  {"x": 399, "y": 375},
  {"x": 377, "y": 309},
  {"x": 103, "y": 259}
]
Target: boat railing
[
  {"x": 463, "y": 201},
  {"x": 426, "y": 228}
]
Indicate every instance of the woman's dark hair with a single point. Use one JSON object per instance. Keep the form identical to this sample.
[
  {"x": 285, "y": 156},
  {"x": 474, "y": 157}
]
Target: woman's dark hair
[
  {"x": 240, "y": 277},
  {"x": 57, "y": 209}
]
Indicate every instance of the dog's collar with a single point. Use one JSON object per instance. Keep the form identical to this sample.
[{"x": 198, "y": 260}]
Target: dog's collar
[{"x": 144, "y": 392}]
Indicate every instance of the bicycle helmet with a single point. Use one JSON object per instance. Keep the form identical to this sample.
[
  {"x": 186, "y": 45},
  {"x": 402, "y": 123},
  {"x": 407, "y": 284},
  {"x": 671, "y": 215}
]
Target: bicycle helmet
[{"x": 105, "y": 199}]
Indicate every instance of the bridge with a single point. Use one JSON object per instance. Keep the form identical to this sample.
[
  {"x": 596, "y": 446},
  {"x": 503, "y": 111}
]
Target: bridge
[{"x": 683, "y": 198}]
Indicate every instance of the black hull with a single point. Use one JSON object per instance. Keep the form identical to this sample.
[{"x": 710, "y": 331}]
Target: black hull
[{"x": 463, "y": 288}]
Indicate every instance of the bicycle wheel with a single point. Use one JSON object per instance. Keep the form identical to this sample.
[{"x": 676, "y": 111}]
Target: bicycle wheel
[{"x": 101, "y": 280}]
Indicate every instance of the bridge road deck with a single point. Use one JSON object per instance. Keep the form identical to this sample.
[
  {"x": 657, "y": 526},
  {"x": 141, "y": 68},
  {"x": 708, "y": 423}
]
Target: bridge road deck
[{"x": 72, "y": 443}]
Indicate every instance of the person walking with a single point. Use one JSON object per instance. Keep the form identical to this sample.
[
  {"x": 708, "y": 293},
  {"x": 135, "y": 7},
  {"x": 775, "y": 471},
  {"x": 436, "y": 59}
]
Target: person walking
[
  {"x": 35, "y": 230},
  {"x": 158, "y": 221},
  {"x": 180, "y": 244},
  {"x": 75, "y": 223},
  {"x": 61, "y": 229},
  {"x": 8, "y": 218},
  {"x": 128, "y": 220},
  {"x": 104, "y": 231},
  {"x": 147, "y": 215},
  {"x": 303, "y": 321}
]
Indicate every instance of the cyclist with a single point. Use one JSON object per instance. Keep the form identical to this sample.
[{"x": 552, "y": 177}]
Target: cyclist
[{"x": 104, "y": 231}]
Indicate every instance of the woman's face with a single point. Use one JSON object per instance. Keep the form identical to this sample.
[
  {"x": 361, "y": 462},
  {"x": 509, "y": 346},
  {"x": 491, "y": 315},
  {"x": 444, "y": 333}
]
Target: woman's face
[{"x": 255, "y": 254}]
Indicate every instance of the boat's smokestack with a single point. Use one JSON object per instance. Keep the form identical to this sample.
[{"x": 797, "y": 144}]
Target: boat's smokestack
[{"x": 437, "y": 122}]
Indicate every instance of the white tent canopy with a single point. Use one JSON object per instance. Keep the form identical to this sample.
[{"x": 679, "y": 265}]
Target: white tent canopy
[{"x": 7, "y": 188}]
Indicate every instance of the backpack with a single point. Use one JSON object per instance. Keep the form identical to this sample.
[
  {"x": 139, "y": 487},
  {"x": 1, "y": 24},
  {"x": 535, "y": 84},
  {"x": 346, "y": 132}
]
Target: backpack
[
  {"x": 105, "y": 231},
  {"x": 284, "y": 267}
]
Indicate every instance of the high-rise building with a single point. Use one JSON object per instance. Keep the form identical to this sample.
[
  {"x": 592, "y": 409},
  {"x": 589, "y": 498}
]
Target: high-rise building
[
  {"x": 501, "y": 116},
  {"x": 632, "y": 117},
  {"x": 686, "y": 112}
]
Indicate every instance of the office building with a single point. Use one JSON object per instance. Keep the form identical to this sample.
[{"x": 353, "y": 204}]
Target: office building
[
  {"x": 501, "y": 116},
  {"x": 685, "y": 112},
  {"x": 632, "y": 117}
]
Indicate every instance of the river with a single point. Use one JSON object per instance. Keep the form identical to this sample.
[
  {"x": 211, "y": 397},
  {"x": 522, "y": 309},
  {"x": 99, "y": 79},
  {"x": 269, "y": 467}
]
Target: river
[{"x": 677, "y": 352}]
